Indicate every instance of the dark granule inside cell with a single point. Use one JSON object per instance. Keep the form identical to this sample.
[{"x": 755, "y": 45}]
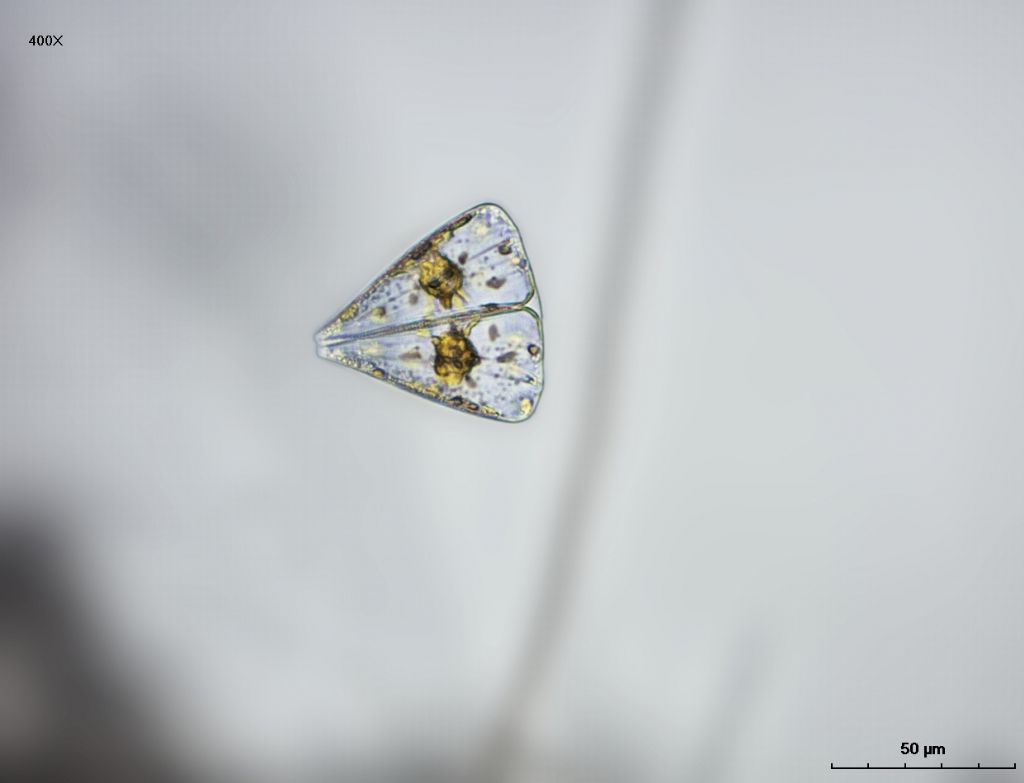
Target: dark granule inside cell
[
  {"x": 456, "y": 224},
  {"x": 421, "y": 249}
]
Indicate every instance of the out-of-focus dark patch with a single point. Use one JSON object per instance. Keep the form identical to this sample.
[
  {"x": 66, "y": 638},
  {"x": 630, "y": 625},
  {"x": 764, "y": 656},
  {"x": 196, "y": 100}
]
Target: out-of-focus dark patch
[{"x": 64, "y": 716}]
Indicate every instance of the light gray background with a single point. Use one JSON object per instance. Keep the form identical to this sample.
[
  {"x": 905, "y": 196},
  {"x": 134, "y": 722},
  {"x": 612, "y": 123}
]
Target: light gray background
[{"x": 804, "y": 527}]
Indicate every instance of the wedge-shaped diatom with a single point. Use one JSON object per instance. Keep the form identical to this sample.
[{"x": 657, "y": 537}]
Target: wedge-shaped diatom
[{"x": 456, "y": 319}]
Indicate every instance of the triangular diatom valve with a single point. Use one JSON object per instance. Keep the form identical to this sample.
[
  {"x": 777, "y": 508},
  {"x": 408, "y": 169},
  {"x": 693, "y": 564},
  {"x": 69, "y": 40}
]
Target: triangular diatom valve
[{"x": 456, "y": 319}]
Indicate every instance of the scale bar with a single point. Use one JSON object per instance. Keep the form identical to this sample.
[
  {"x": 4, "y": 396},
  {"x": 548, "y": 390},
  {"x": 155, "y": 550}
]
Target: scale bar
[{"x": 868, "y": 767}]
